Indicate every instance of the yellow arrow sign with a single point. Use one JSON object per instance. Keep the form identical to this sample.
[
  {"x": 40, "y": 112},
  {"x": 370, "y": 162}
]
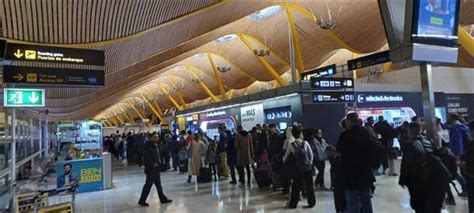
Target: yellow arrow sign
[
  {"x": 18, "y": 53},
  {"x": 18, "y": 77}
]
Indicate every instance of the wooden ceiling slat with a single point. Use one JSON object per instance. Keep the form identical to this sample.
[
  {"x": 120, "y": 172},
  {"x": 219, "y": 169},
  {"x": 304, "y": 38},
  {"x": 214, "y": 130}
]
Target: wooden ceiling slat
[
  {"x": 29, "y": 19},
  {"x": 88, "y": 25},
  {"x": 101, "y": 20},
  {"x": 15, "y": 11},
  {"x": 54, "y": 17},
  {"x": 61, "y": 21},
  {"x": 92, "y": 21},
  {"x": 7, "y": 28}
]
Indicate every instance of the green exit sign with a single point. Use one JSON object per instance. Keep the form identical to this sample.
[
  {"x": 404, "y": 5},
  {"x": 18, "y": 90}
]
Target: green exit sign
[{"x": 13, "y": 97}]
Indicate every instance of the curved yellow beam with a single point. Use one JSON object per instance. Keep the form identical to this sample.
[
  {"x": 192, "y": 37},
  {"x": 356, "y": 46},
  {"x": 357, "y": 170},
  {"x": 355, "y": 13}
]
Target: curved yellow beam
[
  {"x": 203, "y": 85},
  {"x": 217, "y": 76},
  {"x": 118, "y": 117},
  {"x": 137, "y": 111},
  {"x": 128, "y": 116},
  {"x": 268, "y": 67},
  {"x": 272, "y": 53},
  {"x": 466, "y": 40},
  {"x": 295, "y": 41},
  {"x": 175, "y": 103},
  {"x": 148, "y": 91},
  {"x": 157, "y": 114},
  {"x": 178, "y": 90}
]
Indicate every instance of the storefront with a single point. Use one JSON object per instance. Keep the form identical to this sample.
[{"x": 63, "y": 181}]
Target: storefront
[{"x": 454, "y": 103}]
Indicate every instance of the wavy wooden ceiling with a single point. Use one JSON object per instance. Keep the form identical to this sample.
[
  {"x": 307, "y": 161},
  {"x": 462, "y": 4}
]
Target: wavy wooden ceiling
[{"x": 155, "y": 39}]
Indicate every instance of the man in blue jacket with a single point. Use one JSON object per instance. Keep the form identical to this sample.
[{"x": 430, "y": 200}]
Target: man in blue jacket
[{"x": 458, "y": 139}]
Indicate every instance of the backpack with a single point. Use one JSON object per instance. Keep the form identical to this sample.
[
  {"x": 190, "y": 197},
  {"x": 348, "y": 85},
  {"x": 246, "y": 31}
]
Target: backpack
[
  {"x": 377, "y": 153},
  {"x": 433, "y": 170},
  {"x": 303, "y": 163}
]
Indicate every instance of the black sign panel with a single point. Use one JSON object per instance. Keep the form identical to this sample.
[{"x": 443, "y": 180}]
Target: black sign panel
[
  {"x": 24, "y": 52},
  {"x": 333, "y": 97},
  {"x": 3, "y": 45},
  {"x": 319, "y": 72},
  {"x": 332, "y": 83},
  {"x": 278, "y": 114},
  {"x": 52, "y": 76},
  {"x": 370, "y": 60}
]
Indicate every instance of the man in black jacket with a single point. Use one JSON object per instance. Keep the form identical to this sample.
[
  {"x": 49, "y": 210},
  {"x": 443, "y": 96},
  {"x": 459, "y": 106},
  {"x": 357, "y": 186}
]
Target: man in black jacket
[
  {"x": 426, "y": 194},
  {"x": 469, "y": 168},
  {"x": 151, "y": 160},
  {"x": 354, "y": 145}
]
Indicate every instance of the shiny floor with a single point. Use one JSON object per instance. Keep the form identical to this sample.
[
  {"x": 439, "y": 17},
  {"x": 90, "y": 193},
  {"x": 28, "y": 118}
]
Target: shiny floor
[{"x": 223, "y": 197}]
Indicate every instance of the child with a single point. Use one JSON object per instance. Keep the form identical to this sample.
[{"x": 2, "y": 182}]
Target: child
[{"x": 211, "y": 159}]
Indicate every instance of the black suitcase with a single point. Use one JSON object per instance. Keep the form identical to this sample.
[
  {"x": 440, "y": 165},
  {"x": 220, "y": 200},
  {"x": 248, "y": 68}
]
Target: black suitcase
[
  {"x": 263, "y": 177},
  {"x": 204, "y": 175},
  {"x": 183, "y": 166}
]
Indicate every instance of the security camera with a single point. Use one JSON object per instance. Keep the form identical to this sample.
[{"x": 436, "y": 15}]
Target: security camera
[{"x": 326, "y": 24}]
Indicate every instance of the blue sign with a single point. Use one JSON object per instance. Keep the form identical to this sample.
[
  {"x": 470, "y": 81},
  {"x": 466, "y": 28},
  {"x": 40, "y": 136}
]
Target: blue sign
[
  {"x": 435, "y": 19},
  {"x": 279, "y": 114},
  {"x": 87, "y": 173},
  {"x": 319, "y": 72}
]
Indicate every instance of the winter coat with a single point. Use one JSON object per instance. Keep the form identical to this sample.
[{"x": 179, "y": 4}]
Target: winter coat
[
  {"x": 458, "y": 135},
  {"x": 319, "y": 149},
  {"x": 199, "y": 150},
  {"x": 244, "y": 146}
]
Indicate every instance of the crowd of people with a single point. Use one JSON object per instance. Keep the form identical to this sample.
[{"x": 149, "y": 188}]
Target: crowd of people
[{"x": 289, "y": 160}]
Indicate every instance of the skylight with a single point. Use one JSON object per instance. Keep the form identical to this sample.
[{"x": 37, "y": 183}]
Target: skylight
[
  {"x": 266, "y": 13},
  {"x": 225, "y": 39}
]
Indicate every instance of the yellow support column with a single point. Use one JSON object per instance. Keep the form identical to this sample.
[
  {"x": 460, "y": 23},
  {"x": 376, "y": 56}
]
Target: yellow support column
[
  {"x": 217, "y": 77},
  {"x": 128, "y": 116},
  {"x": 175, "y": 103},
  {"x": 466, "y": 40},
  {"x": 154, "y": 101},
  {"x": 158, "y": 115},
  {"x": 179, "y": 91},
  {"x": 270, "y": 70},
  {"x": 137, "y": 111},
  {"x": 295, "y": 41},
  {"x": 203, "y": 85}
]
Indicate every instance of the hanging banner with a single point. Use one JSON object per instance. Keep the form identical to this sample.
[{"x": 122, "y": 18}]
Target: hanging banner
[{"x": 251, "y": 116}]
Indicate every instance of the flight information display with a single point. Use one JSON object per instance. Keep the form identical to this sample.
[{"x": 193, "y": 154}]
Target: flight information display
[{"x": 435, "y": 22}]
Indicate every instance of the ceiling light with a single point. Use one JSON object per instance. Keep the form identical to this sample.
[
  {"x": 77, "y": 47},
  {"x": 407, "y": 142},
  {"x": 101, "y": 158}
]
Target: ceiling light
[
  {"x": 261, "y": 53},
  {"x": 326, "y": 24},
  {"x": 198, "y": 55},
  {"x": 224, "y": 69},
  {"x": 226, "y": 38},
  {"x": 265, "y": 13}
]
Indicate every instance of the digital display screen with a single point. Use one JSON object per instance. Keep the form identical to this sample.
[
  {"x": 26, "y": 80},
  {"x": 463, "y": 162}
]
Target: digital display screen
[{"x": 435, "y": 21}]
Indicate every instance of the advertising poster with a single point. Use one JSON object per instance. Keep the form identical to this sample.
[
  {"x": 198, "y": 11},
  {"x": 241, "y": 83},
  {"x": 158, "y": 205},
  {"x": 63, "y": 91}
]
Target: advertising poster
[
  {"x": 437, "y": 18},
  {"x": 88, "y": 174},
  {"x": 251, "y": 116}
]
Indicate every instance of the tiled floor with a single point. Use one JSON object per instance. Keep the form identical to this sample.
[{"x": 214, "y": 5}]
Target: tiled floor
[{"x": 223, "y": 197}]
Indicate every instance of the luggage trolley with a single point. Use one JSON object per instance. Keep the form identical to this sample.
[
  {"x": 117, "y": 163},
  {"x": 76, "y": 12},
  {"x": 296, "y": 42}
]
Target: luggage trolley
[{"x": 59, "y": 200}]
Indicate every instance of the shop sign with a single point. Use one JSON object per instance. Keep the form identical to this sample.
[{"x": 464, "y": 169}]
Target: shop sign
[
  {"x": 361, "y": 98},
  {"x": 214, "y": 114},
  {"x": 279, "y": 113},
  {"x": 37, "y": 53},
  {"x": 333, "y": 97},
  {"x": 52, "y": 76},
  {"x": 319, "y": 72},
  {"x": 332, "y": 83},
  {"x": 370, "y": 60},
  {"x": 87, "y": 172},
  {"x": 251, "y": 116},
  {"x": 13, "y": 97}
]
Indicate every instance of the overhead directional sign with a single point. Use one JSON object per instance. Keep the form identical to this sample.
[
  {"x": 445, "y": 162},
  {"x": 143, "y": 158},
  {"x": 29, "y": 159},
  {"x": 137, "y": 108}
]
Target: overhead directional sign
[
  {"x": 13, "y": 97},
  {"x": 333, "y": 97},
  {"x": 370, "y": 60},
  {"x": 332, "y": 83},
  {"x": 319, "y": 72},
  {"x": 52, "y": 76},
  {"x": 26, "y": 52}
]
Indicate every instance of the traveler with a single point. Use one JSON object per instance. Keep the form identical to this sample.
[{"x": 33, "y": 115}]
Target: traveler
[
  {"x": 285, "y": 176},
  {"x": 337, "y": 178},
  {"x": 319, "y": 150},
  {"x": 423, "y": 172},
  {"x": 458, "y": 137},
  {"x": 229, "y": 141},
  {"x": 354, "y": 146},
  {"x": 211, "y": 158},
  {"x": 299, "y": 154},
  {"x": 197, "y": 148},
  {"x": 469, "y": 168},
  {"x": 275, "y": 153},
  {"x": 151, "y": 161},
  {"x": 164, "y": 151},
  {"x": 174, "y": 148},
  {"x": 387, "y": 133},
  {"x": 130, "y": 148},
  {"x": 244, "y": 146}
]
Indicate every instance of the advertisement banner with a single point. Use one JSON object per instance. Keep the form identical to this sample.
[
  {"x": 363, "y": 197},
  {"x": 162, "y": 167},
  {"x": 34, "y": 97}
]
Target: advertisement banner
[
  {"x": 87, "y": 173},
  {"x": 251, "y": 116}
]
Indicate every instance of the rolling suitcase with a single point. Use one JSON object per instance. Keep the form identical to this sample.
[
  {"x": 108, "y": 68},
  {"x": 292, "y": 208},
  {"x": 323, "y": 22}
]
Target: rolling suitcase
[
  {"x": 204, "y": 175},
  {"x": 183, "y": 166},
  {"x": 263, "y": 176}
]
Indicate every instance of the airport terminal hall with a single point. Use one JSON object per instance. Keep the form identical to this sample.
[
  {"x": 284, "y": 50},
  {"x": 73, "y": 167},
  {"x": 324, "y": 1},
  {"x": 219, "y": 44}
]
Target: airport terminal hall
[{"x": 203, "y": 106}]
